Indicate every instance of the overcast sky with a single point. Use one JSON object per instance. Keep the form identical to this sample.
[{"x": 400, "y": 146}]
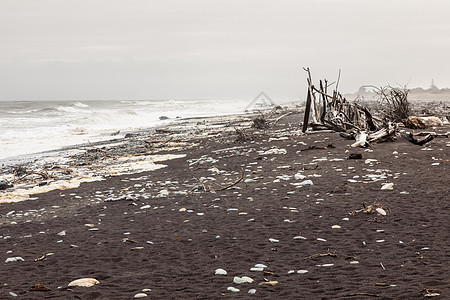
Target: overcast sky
[{"x": 219, "y": 49}]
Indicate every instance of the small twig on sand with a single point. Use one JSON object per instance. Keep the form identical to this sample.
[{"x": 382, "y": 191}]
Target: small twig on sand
[
  {"x": 40, "y": 258},
  {"x": 231, "y": 185},
  {"x": 363, "y": 294},
  {"x": 333, "y": 254},
  {"x": 281, "y": 117},
  {"x": 381, "y": 264},
  {"x": 22, "y": 178}
]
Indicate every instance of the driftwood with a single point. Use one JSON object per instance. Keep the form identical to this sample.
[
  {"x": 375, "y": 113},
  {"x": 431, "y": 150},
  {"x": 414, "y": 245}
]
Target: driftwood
[
  {"x": 332, "y": 254},
  {"x": 221, "y": 187},
  {"x": 393, "y": 102},
  {"x": 410, "y": 137},
  {"x": 421, "y": 122},
  {"x": 326, "y": 111}
]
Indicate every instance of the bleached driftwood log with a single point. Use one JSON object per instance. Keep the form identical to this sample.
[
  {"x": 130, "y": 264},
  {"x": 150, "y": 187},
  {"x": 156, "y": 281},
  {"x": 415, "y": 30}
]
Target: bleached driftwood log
[
  {"x": 422, "y": 122},
  {"x": 361, "y": 140}
]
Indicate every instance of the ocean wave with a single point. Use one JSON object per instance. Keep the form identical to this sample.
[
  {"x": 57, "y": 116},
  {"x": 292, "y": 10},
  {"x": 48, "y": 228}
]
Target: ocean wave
[
  {"x": 138, "y": 102},
  {"x": 65, "y": 109},
  {"x": 81, "y": 105},
  {"x": 127, "y": 111}
]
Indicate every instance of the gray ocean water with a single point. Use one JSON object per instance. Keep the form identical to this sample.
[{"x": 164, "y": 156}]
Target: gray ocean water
[{"x": 28, "y": 127}]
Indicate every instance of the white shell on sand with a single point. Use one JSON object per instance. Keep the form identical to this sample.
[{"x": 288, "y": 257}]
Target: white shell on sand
[
  {"x": 13, "y": 259},
  {"x": 256, "y": 269},
  {"x": 302, "y": 271},
  {"x": 85, "y": 282},
  {"x": 299, "y": 176},
  {"x": 260, "y": 266},
  {"x": 140, "y": 295},
  {"x": 243, "y": 279},
  {"x": 274, "y": 240},
  {"x": 381, "y": 211},
  {"x": 321, "y": 239},
  {"x": 247, "y": 279},
  {"x": 220, "y": 272},
  {"x": 299, "y": 237},
  {"x": 252, "y": 291},
  {"x": 238, "y": 280},
  {"x": 388, "y": 186},
  {"x": 233, "y": 289},
  {"x": 335, "y": 226}
]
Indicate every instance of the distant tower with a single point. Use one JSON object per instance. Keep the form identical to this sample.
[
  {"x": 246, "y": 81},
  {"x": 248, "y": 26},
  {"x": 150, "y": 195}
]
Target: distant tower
[{"x": 433, "y": 86}]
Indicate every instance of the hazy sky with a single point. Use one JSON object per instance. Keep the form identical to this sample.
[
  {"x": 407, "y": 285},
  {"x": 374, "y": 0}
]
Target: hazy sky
[{"x": 185, "y": 49}]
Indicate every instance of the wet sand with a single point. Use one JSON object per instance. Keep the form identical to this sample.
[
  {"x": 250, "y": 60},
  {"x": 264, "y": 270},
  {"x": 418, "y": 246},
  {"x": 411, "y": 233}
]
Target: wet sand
[{"x": 161, "y": 232}]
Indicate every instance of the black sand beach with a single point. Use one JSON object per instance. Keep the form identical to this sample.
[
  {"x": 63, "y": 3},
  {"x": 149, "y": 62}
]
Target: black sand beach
[{"x": 160, "y": 233}]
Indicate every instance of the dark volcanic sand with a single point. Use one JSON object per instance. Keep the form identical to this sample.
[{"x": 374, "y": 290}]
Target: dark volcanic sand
[{"x": 187, "y": 248}]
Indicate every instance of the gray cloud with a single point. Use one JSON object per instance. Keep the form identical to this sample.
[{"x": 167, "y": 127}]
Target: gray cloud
[{"x": 110, "y": 49}]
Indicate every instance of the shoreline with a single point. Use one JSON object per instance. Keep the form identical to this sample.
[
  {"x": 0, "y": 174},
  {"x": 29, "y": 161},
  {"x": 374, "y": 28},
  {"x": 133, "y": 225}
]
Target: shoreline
[{"x": 106, "y": 154}]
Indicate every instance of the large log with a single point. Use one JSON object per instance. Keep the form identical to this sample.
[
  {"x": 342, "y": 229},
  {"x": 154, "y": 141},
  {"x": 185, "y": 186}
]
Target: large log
[{"x": 421, "y": 122}]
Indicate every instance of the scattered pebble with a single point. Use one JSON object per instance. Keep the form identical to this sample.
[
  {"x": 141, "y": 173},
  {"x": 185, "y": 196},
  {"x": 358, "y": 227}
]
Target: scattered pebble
[
  {"x": 388, "y": 186},
  {"x": 255, "y": 269},
  {"x": 252, "y": 291},
  {"x": 14, "y": 259},
  {"x": 381, "y": 211},
  {"x": 84, "y": 282},
  {"x": 326, "y": 265},
  {"x": 307, "y": 182},
  {"x": 243, "y": 279},
  {"x": 140, "y": 295},
  {"x": 220, "y": 272}
]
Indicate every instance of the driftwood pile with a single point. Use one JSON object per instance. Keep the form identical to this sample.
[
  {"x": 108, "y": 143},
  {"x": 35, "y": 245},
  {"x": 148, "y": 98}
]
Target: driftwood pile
[{"x": 325, "y": 110}]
